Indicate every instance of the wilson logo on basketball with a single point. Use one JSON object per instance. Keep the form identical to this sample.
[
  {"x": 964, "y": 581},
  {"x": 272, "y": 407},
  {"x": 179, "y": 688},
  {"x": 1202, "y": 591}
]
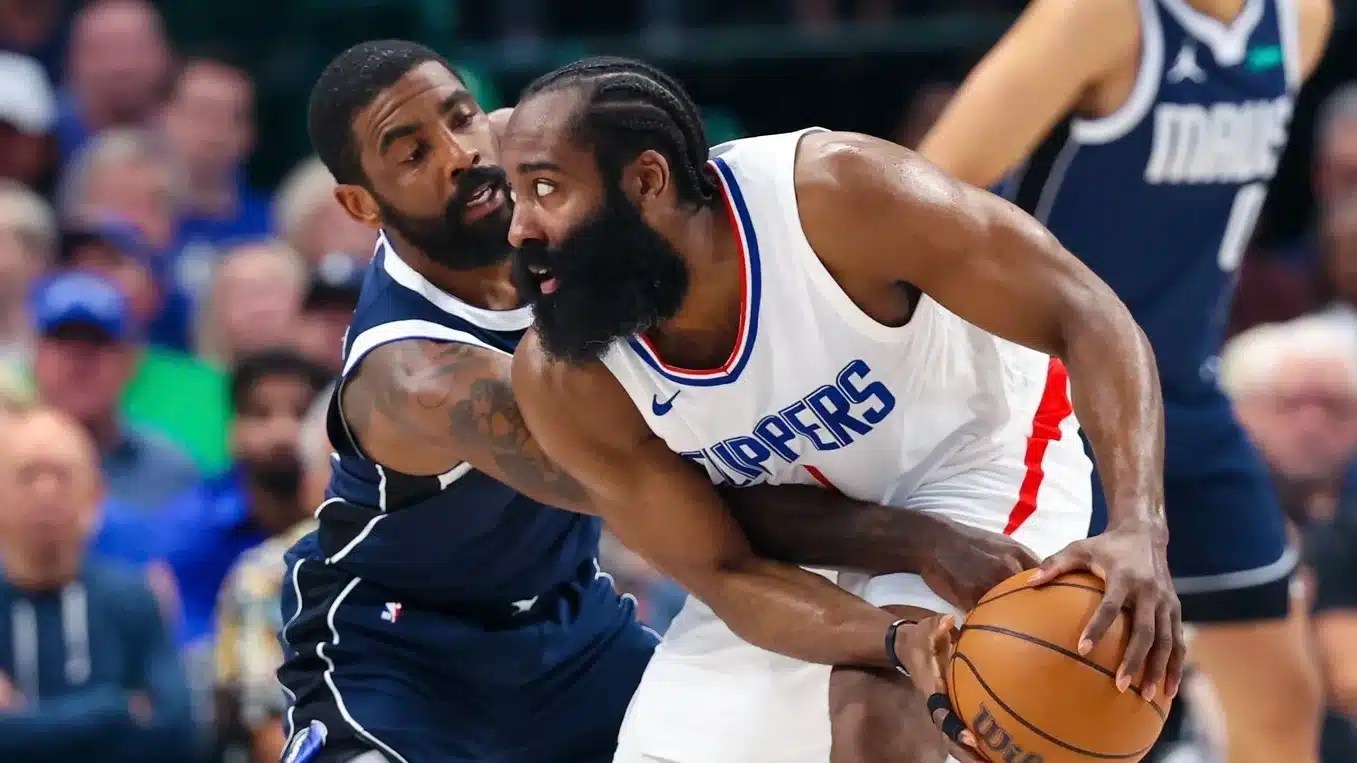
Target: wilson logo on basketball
[{"x": 990, "y": 735}]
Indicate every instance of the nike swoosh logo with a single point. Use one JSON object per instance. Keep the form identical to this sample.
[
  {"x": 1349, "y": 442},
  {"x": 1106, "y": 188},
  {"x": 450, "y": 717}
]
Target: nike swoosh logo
[{"x": 660, "y": 408}]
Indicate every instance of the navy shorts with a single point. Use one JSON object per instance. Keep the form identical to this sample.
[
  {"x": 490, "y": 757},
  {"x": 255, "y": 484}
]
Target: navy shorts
[
  {"x": 544, "y": 680},
  {"x": 1227, "y": 550}
]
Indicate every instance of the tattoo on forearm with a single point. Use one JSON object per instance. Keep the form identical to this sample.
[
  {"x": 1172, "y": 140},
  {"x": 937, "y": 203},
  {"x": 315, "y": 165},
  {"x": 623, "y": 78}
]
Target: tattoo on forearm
[
  {"x": 490, "y": 416},
  {"x": 415, "y": 386}
]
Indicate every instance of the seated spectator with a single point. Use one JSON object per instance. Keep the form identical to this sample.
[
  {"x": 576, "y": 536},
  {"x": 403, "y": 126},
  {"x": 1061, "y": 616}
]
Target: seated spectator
[
  {"x": 328, "y": 307},
  {"x": 28, "y": 238},
  {"x": 88, "y": 670},
  {"x": 249, "y": 702},
  {"x": 210, "y": 526},
  {"x": 86, "y": 353},
  {"x": 116, "y": 72},
  {"x": 171, "y": 392},
  {"x": 253, "y": 304},
  {"x": 27, "y": 116},
  {"x": 209, "y": 123},
  {"x": 35, "y": 28},
  {"x": 1338, "y": 238},
  {"x": 311, "y": 220},
  {"x": 1294, "y": 387},
  {"x": 127, "y": 177}
]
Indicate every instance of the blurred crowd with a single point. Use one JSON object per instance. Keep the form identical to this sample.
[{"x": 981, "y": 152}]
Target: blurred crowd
[{"x": 168, "y": 334}]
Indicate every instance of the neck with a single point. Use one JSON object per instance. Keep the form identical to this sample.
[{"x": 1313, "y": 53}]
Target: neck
[
  {"x": 213, "y": 192},
  {"x": 14, "y": 323},
  {"x": 702, "y": 334},
  {"x": 1222, "y": 10},
  {"x": 33, "y": 570},
  {"x": 1309, "y": 500},
  {"x": 490, "y": 287}
]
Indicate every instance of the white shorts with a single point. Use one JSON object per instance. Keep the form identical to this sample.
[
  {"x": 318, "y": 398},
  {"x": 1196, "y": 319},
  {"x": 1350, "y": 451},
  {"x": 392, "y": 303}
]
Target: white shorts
[{"x": 709, "y": 697}]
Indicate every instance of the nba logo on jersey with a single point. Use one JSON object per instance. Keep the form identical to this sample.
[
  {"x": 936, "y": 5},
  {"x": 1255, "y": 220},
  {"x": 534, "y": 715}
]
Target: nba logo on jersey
[
  {"x": 307, "y": 744},
  {"x": 392, "y": 612}
]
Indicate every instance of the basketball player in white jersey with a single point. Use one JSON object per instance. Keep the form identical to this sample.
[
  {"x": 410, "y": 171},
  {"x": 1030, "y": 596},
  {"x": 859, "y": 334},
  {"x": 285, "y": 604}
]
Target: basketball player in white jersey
[
  {"x": 1180, "y": 110},
  {"x": 814, "y": 308}
]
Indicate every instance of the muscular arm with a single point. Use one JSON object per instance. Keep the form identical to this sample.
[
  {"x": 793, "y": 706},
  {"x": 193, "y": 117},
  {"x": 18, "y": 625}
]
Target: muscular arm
[
  {"x": 422, "y": 407},
  {"x": 668, "y": 512},
  {"x": 876, "y": 213},
  {"x": 1041, "y": 70}
]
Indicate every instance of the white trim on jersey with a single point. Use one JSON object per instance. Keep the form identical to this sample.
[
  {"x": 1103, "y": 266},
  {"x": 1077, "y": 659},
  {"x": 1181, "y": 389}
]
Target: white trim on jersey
[
  {"x": 290, "y": 718},
  {"x": 493, "y": 320},
  {"x": 1230, "y": 581},
  {"x": 1120, "y": 122},
  {"x": 1055, "y": 178},
  {"x": 1288, "y": 23},
  {"x": 384, "y": 333},
  {"x": 330, "y": 681},
  {"x": 1228, "y": 42}
]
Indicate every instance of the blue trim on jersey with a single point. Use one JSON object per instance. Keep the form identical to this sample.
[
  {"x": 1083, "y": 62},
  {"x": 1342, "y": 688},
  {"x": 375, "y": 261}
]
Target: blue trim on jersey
[{"x": 729, "y": 372}]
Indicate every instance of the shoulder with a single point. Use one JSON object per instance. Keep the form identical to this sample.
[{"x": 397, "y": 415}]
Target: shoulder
[
  {"x": 168, "y": 456},
  {"x": 121, "y": 583},
  {"x": 537, "y": 371},
  {"x": 844, "y": 179}
]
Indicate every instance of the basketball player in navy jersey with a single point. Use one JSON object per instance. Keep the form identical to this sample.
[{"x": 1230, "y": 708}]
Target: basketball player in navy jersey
[
  {"x": 449, "y": 608},
  {"x": 814, "y": 307},
  {"x": 1179, "y": 110}
]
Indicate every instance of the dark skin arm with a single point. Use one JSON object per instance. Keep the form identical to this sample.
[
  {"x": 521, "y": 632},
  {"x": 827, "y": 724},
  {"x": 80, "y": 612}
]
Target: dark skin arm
[
  {"x": 422, "y": 407},
  {"x": 668, "y": 512},
  {"x": 879, "y": 216}
]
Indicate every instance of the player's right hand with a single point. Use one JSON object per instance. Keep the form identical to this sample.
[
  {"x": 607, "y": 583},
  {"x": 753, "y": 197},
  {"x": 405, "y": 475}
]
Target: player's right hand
[{"x": 925, "y": 648}]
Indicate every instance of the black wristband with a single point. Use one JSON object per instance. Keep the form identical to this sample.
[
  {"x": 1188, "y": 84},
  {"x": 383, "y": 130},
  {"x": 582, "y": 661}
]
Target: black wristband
[{"x": 890, "y": 645}]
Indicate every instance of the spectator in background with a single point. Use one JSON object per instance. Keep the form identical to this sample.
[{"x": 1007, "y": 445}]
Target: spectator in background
[
  {"x": 27, "y": 116},
  {"x": 210, "y": 526},
  {"x": 1331, "y": 554},
  {"x": 36, "y": 28},
  {"x": 119, "y": 63},
  {"x": 85, "y": 355},
  {"x": 28, "y": 238},
  {"x": 171, "y": 392},
  {"x": 87, "y": 668},
  {"x": 253, "y": 303},
  {"x": 1338, "y": 236},
  {"x": 209, "y": 122},
  {"x": 1294, "y": 387},
  {"x": 1335, "y": 172},
  {"x": 249, "y": 702},
  {"x": 311, "y": 220},
  {"x": 328, "y": 307}
]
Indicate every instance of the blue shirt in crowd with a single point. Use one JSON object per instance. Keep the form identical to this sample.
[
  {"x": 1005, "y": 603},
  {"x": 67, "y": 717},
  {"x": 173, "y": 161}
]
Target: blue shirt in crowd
[
  {"x": 204, "y": 531},
  {"x": 77, "y": 656},
  {"x": 144, "y": 471}
]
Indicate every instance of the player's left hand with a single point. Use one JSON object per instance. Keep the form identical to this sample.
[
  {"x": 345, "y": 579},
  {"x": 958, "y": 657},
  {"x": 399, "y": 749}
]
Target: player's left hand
[
  {"x": 1136, "y": 577},
  {"x": 968, "y": 562}
]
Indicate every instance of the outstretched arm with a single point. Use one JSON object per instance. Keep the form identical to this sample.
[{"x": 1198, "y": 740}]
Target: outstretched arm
[
  {"x": 880, "y": 214},
  {"x": 665, "y": 510},
  {"x": 422, "y": 407}
]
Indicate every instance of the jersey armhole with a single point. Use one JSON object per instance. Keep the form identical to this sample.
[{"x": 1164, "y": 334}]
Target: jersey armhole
[
  {"x": 1117, "y": 124},
  {"x": 379, "y": 336}
]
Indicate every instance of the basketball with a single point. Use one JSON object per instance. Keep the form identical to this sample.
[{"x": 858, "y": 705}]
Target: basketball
[{"x": 1018, "y": 681}]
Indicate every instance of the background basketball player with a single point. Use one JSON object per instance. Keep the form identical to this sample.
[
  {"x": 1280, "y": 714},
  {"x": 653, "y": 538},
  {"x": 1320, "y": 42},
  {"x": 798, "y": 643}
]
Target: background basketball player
[{"x": 1180, "y": 110}]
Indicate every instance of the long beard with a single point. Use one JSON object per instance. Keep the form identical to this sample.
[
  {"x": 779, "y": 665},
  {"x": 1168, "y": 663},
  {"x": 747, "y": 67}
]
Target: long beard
[
  {"x": 447, "y": 238},
  {"x": 615, "y": 275},
  {"x": 279, "y": 475}
]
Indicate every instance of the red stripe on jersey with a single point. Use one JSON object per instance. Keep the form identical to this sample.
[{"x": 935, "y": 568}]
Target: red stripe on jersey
[
  {"x": 820, "y": 477},
  {"x": 1054, "y": 408}
]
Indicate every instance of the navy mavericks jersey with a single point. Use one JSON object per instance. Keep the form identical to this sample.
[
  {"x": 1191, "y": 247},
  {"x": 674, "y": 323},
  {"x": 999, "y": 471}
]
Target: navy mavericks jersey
[
  {"x": 449, "y": 538},
  {"x": 1160, "y": 197}
]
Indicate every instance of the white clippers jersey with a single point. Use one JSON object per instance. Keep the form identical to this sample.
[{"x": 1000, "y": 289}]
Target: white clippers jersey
[{"x": 816, "y": 390}]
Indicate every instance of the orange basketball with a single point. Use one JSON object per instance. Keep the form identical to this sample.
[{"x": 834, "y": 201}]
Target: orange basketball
[{"x": 1021, "y": 686}]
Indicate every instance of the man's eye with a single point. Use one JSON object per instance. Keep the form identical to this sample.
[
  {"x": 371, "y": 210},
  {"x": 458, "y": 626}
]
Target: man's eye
[{"x": 543, "y": 188}]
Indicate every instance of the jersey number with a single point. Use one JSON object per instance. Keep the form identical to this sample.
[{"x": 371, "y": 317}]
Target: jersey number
[{"x": 1243, "y": 216}]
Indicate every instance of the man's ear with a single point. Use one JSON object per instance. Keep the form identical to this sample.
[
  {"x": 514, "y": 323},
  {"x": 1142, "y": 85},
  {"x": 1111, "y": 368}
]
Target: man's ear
[
  {"x": 647, "y": 177},
  {"x": 360, "y": 205}
]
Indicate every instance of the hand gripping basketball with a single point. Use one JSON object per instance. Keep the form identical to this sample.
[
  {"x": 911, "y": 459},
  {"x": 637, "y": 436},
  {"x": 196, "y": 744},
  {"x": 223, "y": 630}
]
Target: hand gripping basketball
[{"x": 921, "y": 650}]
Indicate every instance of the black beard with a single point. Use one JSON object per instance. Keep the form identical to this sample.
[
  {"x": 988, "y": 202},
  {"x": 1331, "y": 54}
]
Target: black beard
[
  {"x": 448, "y": 239},
  {"x": 615, "y": 275},
  {"x": 279, "y": 475}
]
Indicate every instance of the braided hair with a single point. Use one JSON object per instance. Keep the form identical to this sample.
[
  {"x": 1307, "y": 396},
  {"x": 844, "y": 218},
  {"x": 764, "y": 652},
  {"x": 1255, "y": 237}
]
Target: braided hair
[{"x": 629, "y": 107}]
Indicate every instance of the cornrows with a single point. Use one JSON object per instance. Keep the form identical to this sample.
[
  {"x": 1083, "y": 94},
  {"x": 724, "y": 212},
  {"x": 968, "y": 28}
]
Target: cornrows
[{"x": 631, "y": 106}]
